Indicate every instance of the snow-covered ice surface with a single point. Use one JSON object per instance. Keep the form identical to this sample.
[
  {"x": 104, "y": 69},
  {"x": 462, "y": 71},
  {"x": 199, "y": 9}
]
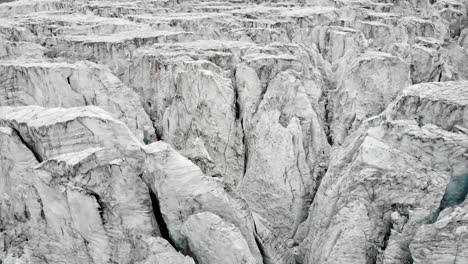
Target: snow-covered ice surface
[{"x": 233, "y": 132}]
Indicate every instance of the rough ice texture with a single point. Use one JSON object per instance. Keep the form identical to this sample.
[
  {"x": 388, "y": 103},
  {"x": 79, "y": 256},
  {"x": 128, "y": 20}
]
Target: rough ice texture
[
  {"x": 183, "y": 190},
  {"x": 55, "y": 84},
  {"x": 241, "y": 131}
]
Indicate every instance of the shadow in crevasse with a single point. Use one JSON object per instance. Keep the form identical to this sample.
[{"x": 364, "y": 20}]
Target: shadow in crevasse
[{"x": 455, "y": 194}]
